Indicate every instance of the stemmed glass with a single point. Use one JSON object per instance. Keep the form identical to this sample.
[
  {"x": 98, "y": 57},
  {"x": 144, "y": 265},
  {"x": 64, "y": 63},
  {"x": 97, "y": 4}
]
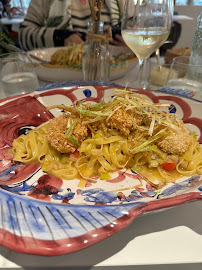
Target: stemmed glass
[{"x": 145, "y": 27}]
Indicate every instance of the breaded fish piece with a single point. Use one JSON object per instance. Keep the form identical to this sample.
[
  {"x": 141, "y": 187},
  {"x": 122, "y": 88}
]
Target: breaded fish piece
[
  {"x": 56, "y": 134},
  {"x": 176, "y": 142},
  {"x": 122, "y": 120}
]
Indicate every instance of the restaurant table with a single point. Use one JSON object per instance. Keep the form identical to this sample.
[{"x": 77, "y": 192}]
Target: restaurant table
[
  {"x": 182, "y": 18},
  {"x": 14, "y": 22},
  {"x": 161, "y": 240}
]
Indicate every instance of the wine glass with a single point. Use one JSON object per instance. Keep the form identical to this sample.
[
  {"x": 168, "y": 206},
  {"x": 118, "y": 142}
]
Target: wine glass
[{"x": 145, "y": 27}]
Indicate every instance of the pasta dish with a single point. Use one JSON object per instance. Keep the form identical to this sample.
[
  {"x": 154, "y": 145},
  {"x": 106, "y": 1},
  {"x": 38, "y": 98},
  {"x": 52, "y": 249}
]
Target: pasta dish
[
  {"x": 72, "y": 56},
  {"x": 91, "y": 141}
]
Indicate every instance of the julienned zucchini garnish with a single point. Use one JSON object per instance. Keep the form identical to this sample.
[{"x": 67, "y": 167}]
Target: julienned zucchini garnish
[
  {"x": 72, "y": 126},
  {"x": 74, "y": 140},
  {"x": 126, "y": 100}
]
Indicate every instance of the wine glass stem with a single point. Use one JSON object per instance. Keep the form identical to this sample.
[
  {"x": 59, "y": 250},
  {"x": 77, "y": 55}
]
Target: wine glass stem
[{"x": 143, "y": 72}]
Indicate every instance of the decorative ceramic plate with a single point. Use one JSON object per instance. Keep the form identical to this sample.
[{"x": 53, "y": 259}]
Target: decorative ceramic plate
[
  {"x": 45, "y": 215},
  {"x": 52, "y": 73}
]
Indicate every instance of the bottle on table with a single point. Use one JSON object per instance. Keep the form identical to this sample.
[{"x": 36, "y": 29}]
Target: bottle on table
[{"x": 196, "y": 52}]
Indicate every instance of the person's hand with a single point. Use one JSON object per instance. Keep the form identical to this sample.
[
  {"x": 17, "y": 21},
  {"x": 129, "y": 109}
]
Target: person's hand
[
  {"x": 118, "y": 41},
  {"x": 74, "y": 38}
]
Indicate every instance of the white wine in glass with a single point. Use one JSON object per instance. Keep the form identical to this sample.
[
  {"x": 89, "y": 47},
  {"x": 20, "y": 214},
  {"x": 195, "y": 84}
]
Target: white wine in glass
[{"x": 145, "y": 27}]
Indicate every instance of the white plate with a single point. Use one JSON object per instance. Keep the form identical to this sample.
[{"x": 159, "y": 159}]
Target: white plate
[{"x": 52, "y": 74}]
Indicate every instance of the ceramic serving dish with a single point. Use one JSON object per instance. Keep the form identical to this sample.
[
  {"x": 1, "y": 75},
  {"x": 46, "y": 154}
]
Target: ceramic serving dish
[
  {"x": 44, "y": 215},
  {"x": 51, "y": 73}
]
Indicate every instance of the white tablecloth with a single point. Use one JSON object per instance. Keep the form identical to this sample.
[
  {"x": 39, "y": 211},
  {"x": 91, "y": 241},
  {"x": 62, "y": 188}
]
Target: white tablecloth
[
  {"x": 7, "y": 21},
  {"x": 15, "y": 22},
  {"x": 182, "y": 18}
]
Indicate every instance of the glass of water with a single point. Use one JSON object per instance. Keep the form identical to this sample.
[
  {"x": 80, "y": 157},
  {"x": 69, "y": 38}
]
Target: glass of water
[
  {"x": 17, "y": 74},
  {"x": 187, "y": 77}
]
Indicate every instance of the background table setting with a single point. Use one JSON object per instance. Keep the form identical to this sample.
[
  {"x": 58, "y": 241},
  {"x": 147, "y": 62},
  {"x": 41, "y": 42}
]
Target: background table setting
[{"x": 49, "y": 223}]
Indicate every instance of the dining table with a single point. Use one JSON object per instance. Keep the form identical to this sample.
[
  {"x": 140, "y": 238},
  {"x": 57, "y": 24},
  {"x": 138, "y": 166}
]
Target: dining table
[
  {"x": 165, "y": 239},
  {"x": 14, "y": 22}
]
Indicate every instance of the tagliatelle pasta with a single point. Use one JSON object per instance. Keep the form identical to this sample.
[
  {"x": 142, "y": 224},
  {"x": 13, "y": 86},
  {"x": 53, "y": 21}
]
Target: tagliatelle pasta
[
  {"x": 109, "y": 154},
  {"x": 191, "y": 160},
  {"x": 128, "y": 132},
  {"x": 71, "y": 56},
  {"x": 34, "y": 147}
]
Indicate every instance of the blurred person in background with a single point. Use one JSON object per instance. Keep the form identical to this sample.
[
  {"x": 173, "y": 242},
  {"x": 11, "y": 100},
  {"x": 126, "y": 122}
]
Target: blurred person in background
[
  {"x": 8, "y": 10},
  {"x": 51, "y": 23}
]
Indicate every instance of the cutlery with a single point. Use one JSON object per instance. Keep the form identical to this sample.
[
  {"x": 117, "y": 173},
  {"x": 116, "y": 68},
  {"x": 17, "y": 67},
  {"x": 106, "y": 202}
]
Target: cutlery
[{"x": 16, "y": 49}]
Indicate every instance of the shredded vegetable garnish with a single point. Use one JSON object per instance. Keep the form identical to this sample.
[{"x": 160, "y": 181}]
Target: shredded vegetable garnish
[
  {"x": 72, "y": 126},
  {"x": 72, "y": 139},
  {"x": 149, "y": 141},
  {"x": 133, "y": 103},
  {"x": 128, "y": 132}
]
